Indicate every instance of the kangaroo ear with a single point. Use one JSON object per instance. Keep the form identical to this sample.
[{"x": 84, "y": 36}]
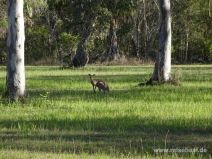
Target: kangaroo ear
[
  {"x": 89, "y": 74},
  {"x": 94, "y": 75}
]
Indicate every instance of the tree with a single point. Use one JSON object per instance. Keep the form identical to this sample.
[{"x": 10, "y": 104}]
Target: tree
[
  {"x": 79, "y": 18},
  {"x": 162, "y": 70},
  {"x": 15, "y": 79},
  {"x": 209, "y": 8},
  {"x": 81, "y": 57},
  {"x": 191, "y": 37},
  {"x": 118, "y": 9},
  {"x": 145, "y": 30},
  {"x": 112, "y": 41}
]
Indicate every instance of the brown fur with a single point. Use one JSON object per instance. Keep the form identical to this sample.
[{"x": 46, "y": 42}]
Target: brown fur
[{"x": 100, "y": 84}]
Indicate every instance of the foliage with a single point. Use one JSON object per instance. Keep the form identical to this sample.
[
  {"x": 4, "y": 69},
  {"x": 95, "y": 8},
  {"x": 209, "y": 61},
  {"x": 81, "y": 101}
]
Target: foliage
[
  {"x": 191, "y": 17},
  {"x": 37, "y": 36},
  {"x": 67, "y": 40},
  {"x": 137, "y": 28},
  {"x": 3, "y": 30}
]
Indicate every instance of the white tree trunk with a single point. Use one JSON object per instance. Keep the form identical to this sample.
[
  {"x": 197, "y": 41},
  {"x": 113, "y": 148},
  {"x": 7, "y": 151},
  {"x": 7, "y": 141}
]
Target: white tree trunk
[
  {"x": 187, "y": 45},
  {"x": 15, "y": 44},
  {"x": 145, "y": 30},
  {"x": 162, "y": 72}
]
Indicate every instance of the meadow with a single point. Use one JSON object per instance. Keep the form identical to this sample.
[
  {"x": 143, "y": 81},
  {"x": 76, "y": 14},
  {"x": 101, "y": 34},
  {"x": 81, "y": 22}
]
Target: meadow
[{"x": 63, "y": 118}]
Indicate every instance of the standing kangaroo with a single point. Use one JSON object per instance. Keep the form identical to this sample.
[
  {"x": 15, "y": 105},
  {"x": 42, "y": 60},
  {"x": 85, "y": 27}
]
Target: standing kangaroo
[{"x": 102, "y": 85}]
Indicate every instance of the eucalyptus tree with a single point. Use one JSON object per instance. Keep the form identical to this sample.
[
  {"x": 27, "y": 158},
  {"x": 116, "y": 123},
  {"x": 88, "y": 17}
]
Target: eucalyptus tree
[
  {"x": 145, "y": 28},
  {"x": 79, "y": 19},
  {"x": 84, "y": 13},
  {"x": 162, "y": 70},
  {"x": 119, "y": 9},
  {"x": 15, "y": 79},
  {"x": 209, "y": 8}
]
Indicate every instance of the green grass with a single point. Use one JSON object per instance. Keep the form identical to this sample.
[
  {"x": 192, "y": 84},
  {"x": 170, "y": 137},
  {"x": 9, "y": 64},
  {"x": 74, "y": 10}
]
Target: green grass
[{"x": 63, "y": 118}]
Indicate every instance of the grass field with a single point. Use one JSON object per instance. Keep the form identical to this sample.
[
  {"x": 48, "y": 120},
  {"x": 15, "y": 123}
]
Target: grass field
[{"x": 63, "y": 118}]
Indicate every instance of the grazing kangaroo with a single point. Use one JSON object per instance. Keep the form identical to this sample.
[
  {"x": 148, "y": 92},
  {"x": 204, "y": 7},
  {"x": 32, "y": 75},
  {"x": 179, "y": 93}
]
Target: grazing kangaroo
[{"x": 102, "y": 85}]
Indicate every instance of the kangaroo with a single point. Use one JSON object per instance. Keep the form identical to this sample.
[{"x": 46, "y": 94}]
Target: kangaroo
[{"x": 102, "y": 85}]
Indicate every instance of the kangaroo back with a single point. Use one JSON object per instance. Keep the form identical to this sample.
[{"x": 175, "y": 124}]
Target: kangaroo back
[{"x": 102, "y": 85}]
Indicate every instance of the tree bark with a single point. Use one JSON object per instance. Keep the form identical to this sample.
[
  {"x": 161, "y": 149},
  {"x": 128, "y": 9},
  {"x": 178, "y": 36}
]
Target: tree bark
[
  {"x": 162, "y": 70},
  {"x": 112, "y": 48},
  {"x": 187, "y": 45},
  {"x": 15, "y": 79},
  {"x": 81, "y": 58},
  {"x": 145, "y": 31},
  {"x": 136, "y": 34}
]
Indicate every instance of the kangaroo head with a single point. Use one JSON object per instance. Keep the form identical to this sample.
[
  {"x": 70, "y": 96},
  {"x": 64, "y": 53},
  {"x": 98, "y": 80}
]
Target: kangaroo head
[{"x": 90, "y": 75}]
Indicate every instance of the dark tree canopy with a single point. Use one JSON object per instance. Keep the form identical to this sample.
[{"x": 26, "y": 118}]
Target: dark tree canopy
[{"x": 82, "y": 29}]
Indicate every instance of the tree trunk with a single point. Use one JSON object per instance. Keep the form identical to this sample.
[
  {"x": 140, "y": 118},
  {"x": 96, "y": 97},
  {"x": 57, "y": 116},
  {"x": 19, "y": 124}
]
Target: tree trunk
[
  {"x": 162, "y": 71},
  {"x": 209, "y": 8},
  {"x": 136, "y": 35},
  {"x": 15, "y": 80},
  {"x": 182, "y": 48},
  {"x": 187, "y": 45},
  {"x": 145, "y": 31},
  {"x": 81, "y": 58},
  {"x": 112, "y": 48}
]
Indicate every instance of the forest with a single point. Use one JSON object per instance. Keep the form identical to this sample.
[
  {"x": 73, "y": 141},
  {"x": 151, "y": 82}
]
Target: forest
[
  {"x": 58, "y": 30},
  {"x": 105, "y": 79}
]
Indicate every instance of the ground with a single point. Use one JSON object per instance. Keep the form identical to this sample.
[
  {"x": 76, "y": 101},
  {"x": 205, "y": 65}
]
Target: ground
[{"x": 63, "y": 118}]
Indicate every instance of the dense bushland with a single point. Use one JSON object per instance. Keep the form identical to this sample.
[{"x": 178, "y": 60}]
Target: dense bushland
[{"x": 55, "y": 30}]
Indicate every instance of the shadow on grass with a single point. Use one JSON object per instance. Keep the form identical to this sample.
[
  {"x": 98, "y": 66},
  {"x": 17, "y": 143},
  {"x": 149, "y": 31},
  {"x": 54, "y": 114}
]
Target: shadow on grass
[
  {"x": 129, "y": 124},
  {"x": 110, "y": 135},
  {"x": 103, "y": 135},
  {"x": 145, "y": 94}
]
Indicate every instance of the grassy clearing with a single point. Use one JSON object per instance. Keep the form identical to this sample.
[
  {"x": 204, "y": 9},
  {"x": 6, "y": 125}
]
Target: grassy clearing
[{"x": 63, "y": 118}]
